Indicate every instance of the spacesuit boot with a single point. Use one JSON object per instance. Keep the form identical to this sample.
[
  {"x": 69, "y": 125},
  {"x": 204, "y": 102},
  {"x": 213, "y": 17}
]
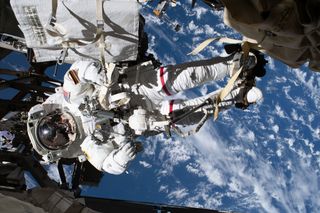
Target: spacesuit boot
[{"x": 239, "y": 60}]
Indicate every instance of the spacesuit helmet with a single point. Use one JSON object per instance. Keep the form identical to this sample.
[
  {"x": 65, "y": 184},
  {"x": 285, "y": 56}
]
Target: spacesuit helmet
[{"x": 56, "y": 130}]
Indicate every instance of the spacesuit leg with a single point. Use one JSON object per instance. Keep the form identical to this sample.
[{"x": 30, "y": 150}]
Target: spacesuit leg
[
  {"x": 171, "y": 81},
  {"x": 169, "y": 107},
  {"x": 178, "y": 80}
]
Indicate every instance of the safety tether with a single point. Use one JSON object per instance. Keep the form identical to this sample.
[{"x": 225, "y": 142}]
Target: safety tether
[
  {"x": 246, "y": 46},
  {"x": 108, "y": 68},
  {"x": 225, "y": 40},
  {"x": 99, "y": 33}
]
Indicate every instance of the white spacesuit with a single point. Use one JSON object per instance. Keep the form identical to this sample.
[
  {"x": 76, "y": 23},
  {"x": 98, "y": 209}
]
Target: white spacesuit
[
  {"x": 71, "y": 123},
  {"x": 61, "y": 128},
  {"x": 152, "y": 87}
]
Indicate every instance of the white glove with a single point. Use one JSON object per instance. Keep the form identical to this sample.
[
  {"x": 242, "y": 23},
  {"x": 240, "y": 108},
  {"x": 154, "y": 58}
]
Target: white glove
[{"x": 125, "y": 154}]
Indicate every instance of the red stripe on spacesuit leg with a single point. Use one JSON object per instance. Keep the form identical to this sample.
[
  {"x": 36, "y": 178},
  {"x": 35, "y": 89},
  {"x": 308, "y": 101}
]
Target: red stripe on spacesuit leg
[
  {"x": 164, "y": 88},
  {"x": 171, "y": 106},
  {"x": 171, "y": 114}
]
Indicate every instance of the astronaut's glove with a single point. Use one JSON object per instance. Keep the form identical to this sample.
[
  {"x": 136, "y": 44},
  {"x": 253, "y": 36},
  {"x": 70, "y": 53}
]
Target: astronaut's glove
[{"x": 125, "y": 154}]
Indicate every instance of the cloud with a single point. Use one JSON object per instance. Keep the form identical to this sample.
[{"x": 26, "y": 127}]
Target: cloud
[
  {"x": 145, "y": 164},
  {"x": 311, "y": 82},
  {"x": 279, "y": 112},
  {"x": 208, "y": 30},
  {"x": 174, "y": 153},
  {"x": 200, "y": 11},
  {"x": 178, "y": 194},
  {"x": 213, "y": 174},
  {"x": 164, "y": 188},
  {"x": 271, "y": 64},
  {"x": 194, "y": 169},
  {"x": 194, "y": 29},
  {"x": 227, "y": 166},
  {"x": 275, "y": 128},
  {"x": 245, "y": 134}
]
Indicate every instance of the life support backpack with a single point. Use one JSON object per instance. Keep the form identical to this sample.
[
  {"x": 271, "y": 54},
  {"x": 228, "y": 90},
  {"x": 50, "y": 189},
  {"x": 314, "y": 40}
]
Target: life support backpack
[{"x": 287, "y": 30}]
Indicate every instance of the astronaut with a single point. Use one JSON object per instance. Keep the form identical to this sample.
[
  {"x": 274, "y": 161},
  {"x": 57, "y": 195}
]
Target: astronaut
[
  {"x": 66, "y": 125},
  {"x": 155, "y": 89},
  {"x": 90, "y": 119}
]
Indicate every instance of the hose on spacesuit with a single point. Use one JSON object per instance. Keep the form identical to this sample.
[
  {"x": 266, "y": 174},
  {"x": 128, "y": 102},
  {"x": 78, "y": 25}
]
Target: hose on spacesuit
[
  {"x": 179, "y": 118},
  {"x": 186, "y": 114}
]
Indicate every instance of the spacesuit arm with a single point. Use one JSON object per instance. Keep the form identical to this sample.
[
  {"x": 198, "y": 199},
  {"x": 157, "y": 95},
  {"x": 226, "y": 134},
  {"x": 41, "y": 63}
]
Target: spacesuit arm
[
  {"x": 89, "y": 72},
  {"x": 81, "y": 80},
  {"x": 117, "y": 162},
  {"x": 105, "y": 157}
]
